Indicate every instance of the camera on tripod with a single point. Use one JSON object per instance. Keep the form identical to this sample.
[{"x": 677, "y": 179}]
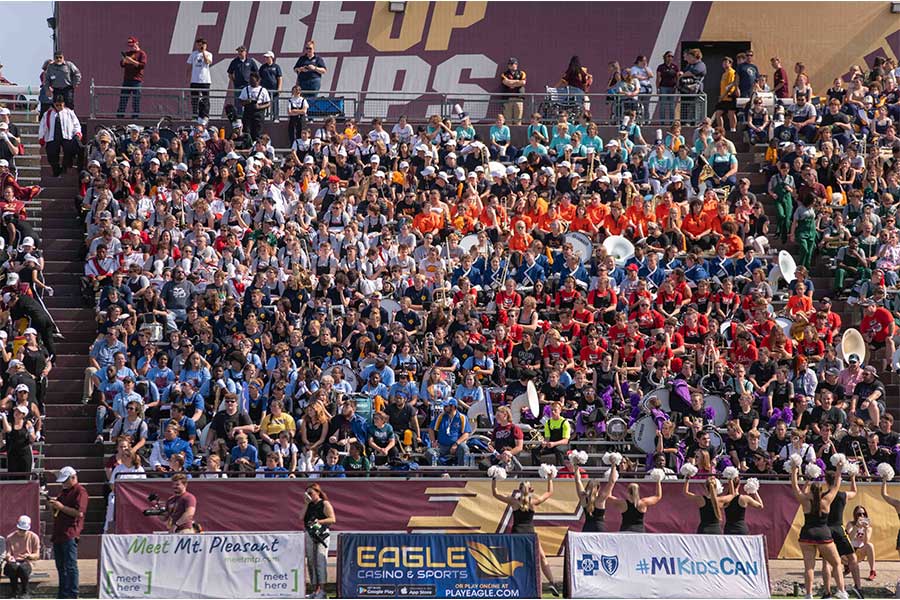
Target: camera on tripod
[{"x": 156, "y": 509}]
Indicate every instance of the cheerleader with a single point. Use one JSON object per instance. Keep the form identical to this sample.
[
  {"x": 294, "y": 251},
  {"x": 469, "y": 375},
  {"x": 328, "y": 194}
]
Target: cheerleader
[
  {"x": 815, "y": 535},
  {"x": 710, "y": 504},
  {"x": 894, "y": 502},
  {"x": 592, "y": 498},
  {"x": 523, "y": 501},
  {"x": 633, "y": 507},
  {"x": 836, "y": 523},
  {"x": 736, "y": 506}
]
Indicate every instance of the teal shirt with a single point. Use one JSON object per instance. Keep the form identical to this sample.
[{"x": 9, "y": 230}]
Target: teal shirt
[
  {"x": 539, "y": 149},
  {"x": 686, "y": 164},
  {"x": 660, "y": 165},
  {"x": 539, "y": 128},
  {"x": 558, "y": 143},
  {"x": 500, "y": 135},
  {"x": 465, "y": 133},
  {"x": 595, "y": 142},
  {"x": 670, "y": 139}
]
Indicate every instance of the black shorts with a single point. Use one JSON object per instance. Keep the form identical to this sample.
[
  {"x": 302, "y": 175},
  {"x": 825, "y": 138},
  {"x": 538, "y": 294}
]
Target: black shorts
[
  {"x": 726, "y": 105},
  {"x": 844, "y": 547},
  {"x": 876, "y": 345}
]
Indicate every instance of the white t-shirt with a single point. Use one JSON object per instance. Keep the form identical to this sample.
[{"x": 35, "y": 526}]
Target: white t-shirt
[{"x": 199, "y": 67}]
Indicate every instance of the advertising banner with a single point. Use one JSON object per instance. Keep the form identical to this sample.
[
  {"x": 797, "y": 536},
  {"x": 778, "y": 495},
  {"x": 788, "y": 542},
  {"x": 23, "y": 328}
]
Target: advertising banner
[
  {"x": 659, "y": 565},
  {"x": 242, "y": 565},
  {"x": 437, "y": 566}
]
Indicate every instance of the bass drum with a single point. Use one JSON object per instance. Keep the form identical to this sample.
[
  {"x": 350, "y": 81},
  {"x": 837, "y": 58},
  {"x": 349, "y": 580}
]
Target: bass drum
[
  {"x": 663, "y": 395},
  {"x": 468, "y": 242},
  {"x": 720, "y": 406},
  {"x": 349, "y": 376},
  {"x": 643, "y": 434},
  {"x": 581, "y": 244}
]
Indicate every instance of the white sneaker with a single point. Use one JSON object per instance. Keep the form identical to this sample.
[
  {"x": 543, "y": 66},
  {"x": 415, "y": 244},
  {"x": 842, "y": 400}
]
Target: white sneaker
[{"x": 841, "y": 594}]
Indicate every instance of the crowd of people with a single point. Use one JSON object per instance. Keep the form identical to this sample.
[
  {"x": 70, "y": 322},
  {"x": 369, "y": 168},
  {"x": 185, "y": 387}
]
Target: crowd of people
[{"x": 383, "y": 295}]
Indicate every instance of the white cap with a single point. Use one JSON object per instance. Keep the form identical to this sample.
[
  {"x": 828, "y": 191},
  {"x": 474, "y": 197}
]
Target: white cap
[
  {"x": 403, "y": 165},
  {"x": 269, "y": 53},
  {"x": 612, "y": 143},
  {"x": 30, "y": 331},
  {"x": 30, "y": 258},
  {"x": 4, "y": 125},
  {"x": 24, "y": 523},
  {"x": 309, "y": 160},
  {"x": 154, "y": 160},
  {"x": 181, "y": 167},
  {"x": 479, "y": 169},
  {"x": 472, "y": 175},
  {"x": 626, "y": 175},
  {"x": 604, "y": 179},
  {"x": 232, "y": 155},
  {"x": 427, "y": 171},
  {"x": 22, "y": 388},
  {"x": 378, "y": 173},
  {"x": 566, "y": 164},
  {"x": 443, "y": 176},
  {"x": 4, "y": 162},
  {"x": 451, "y": 155},
  {"x": 421, "y": 148},
  {"x": 521, "y": 159},
  {"x": 525, "y": 176},
  {"x": 677, "y": 178},
  {"x": 342, "y": 151},
  {"x": 511, "y": 170},
  {"x": 374, "y": 159},
  {"x": 94, "y": 163},
  {"x": 27, "y": 241},
  {"x": 460, "y": 173},
  {"x": 64, "y": 474},
  {"x": 4, "y": 111}
]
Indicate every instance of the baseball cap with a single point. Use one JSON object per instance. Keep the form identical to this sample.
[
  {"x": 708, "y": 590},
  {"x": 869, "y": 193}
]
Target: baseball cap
[
  {"x": 64, "y": 474},
  {"x": 30, "y": 331},
  {"x": 154, "y": 161},
  {"x": 4, "y": 111},
  {"x": 452, "y": 402},
  {"x": 13, "y": 364},
  {"x": 24, "y": 523},
  {"x": 334, "y": 179},
  {"x": 4, "y": 162},
  {"x": 232, "y": 156},
  {"x": 871, "y": 369},
  {"x": 427, "y": 171},
  {"x": 566, "y": 164},
  {"x": 512, "y": 60},
  {"x": 853, "y": 358},
  {"x": 4, "y": 125},
  {"x": 403, "y": 165},
  {"x": 833, "y": 372},
  {"x": 633, "y": 267},
  {"x": 269, "y": 54}
]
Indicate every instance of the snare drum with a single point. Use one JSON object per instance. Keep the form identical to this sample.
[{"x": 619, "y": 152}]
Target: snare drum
[
  {"x": 616, "y": 429},
  {"x": 643, "y": 433},
  {"x": 719, "y": 405}
]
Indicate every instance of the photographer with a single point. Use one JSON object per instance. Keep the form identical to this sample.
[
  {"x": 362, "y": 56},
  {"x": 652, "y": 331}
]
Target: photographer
[
  {"x": 180, "y": 507},
  {"x": 318, "y": 515}
]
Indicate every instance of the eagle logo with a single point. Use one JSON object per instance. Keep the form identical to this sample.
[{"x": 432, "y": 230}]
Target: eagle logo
[{"x": 488, "y": 563}]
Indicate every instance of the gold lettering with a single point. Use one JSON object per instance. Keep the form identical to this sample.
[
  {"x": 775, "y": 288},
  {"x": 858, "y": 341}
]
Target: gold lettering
[
  {"x": 412, "y": 557},
  {"x": 412, "y": 26},
  {"x": 430, "y": 562},
  {"x": 365, "y": 557},
  {"x": 389, "y": 556},
  {"x": 456, "y": 557},
  {"x": 444, "y": 20}
]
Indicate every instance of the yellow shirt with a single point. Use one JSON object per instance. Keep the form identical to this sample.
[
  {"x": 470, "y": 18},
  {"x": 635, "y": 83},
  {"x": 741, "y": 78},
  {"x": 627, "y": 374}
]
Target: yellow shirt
[
  {"x": 272, "y": 426},
  {"x": 727, "y": 87}
]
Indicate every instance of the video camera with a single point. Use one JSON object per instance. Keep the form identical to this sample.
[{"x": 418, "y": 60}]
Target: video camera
[{"x": 156, "y": 509}]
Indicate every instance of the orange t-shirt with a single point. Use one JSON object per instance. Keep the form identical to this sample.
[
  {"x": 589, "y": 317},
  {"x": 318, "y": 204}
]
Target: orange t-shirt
[
  {"x": 695, "y": 224},
  {"x": 566, "y": 213},
  {"x": 798, "y": 303},
  {"x": 735, "y": 244},
  {"x": 428, "y": 222},
  {"x": 597, "y": 214},
  {"x": 581, "y": 224},
  {"x": 520, "y": 243},
  {"x": 615, "y": 226}
]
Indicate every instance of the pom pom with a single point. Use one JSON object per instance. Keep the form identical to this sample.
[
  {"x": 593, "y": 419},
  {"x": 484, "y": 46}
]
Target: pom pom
[
  {"x": 581, "y": 457},
  {"x": 838, "y": 458},
  {"x": 496, "y": 472},
  {"x": 604, "y": 476},
  {"x": 656, "y": 475},
  {"x": 730, "y": 473},
  {"x": 688, "y": 470},
  {"x": 547, "y": 471},
  {"x": 796, "y": 459},
  {"x": 851, "y": 469},
  {"x": 813, "y": 471},
  {"x": 611, "y": 458},
  {"x": 886, "y": 471},
  {"x": 709, "y": 413},
  {"x": 719, "y": 487},
  {"x": 752, "y": 485}
]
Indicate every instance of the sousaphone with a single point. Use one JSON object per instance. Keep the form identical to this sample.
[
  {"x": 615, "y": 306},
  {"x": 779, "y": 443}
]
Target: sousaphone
[{"x": 620, "y": 248}]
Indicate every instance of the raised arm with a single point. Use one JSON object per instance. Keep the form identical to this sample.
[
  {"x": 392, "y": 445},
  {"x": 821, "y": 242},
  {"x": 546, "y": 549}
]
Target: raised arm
[
  {"x": 795, "y": 484},
  {"x": 546, "y": 495},
  {"x": 884, "y": 494},
  {"x": 498, "y": 495},
  {"x": 652, "y": 500},
  {"x": 613, "y": 478}
]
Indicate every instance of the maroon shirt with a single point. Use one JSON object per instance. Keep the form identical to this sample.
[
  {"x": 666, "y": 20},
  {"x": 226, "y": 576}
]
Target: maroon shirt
[
  {"x": 176, "y": 506},
  {"x": 67, "y": 528},
  {"x": 134, "y": 72}
]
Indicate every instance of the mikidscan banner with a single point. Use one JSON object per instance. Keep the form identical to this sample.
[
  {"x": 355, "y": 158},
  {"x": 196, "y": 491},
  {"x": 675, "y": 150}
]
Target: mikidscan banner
[
  {"x": 242, "y": 565},
  {"x": 437, "y": 566},
  {"x": 662, "y": 565}
]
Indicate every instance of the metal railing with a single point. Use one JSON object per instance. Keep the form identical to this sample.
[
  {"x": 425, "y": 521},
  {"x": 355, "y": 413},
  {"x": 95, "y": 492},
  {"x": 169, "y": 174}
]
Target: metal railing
[{"x": 606, "y": 109}]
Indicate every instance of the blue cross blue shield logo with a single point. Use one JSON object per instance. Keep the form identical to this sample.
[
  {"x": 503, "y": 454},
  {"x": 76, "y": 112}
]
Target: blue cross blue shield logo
[
  {"x": 588, "y": 565},
  {"x": 610, "y": 564}
]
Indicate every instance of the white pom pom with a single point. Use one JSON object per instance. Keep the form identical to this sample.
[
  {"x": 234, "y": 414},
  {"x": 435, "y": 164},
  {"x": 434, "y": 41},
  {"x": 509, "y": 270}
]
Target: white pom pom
[
  {"x": 730, "y": 473},
  {"x": 604, "y": 476},
  {"x": 851, "y": 469},
  {"x": 837, "y": 459},
  {"x": 656, "y": 475},
  {"x": 788, "y": 466},
  {"x": 547, "y": 471},
  {"x": 886, "y": 471},
  {"x": 796, "y": 459},
  {"x": 605, "y": 459},
  {"x": 579, "y": 457},
  {"x": 752, "y": 485},
  {"x": 688, "y": 470},
  {"x": 616, "y": 458},
  {"x": 496, "y": 472},
  {"x": 813, "y": 471}
]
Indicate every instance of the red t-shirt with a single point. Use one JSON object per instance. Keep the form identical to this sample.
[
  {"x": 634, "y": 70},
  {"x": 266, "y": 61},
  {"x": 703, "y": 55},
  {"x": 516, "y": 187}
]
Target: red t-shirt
[
  {"x": 67, "y": 528},
  {"x": 176, "y": 506},
  {"x": 880, "y": 324}
]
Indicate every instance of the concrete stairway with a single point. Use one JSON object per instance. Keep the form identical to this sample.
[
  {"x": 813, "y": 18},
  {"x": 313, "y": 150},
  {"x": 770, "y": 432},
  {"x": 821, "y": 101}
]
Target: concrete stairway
[{"x": 70, "y": 424}]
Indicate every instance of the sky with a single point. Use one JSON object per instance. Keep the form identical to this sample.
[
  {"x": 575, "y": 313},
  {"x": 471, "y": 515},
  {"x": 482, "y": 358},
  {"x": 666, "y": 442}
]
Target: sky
[{"x": 26, "y": 41}]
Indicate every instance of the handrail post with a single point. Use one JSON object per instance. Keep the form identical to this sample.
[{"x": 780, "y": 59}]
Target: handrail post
[{"x": 93, "y": 99}]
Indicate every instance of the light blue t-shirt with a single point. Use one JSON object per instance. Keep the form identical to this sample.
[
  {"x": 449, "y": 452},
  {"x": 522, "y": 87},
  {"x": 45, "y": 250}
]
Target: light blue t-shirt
[{"x": 500, "y": 135}]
